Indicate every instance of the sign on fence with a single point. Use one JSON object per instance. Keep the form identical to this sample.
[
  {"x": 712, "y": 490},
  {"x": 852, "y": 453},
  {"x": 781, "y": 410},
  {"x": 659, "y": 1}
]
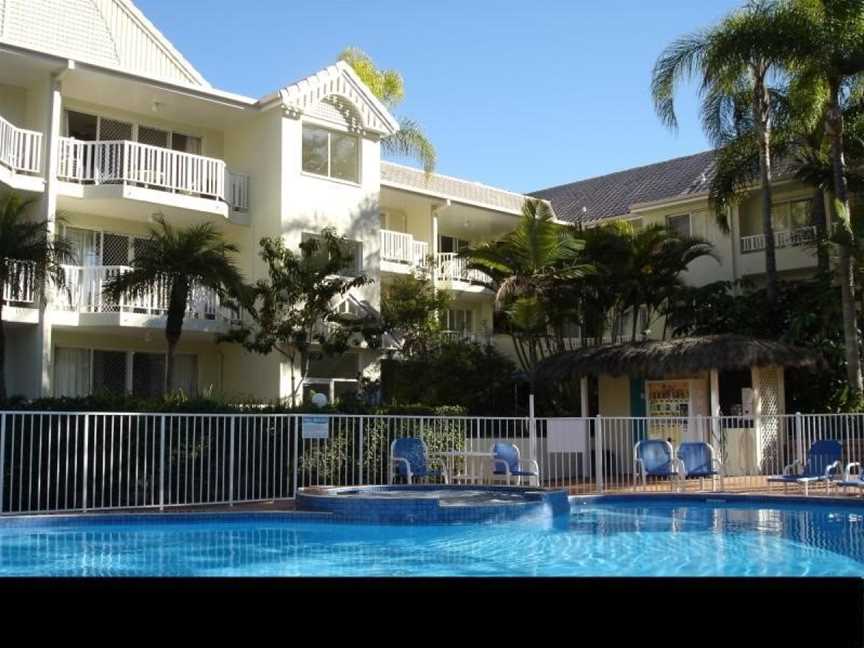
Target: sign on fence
[{"x": 316, "y": 427}]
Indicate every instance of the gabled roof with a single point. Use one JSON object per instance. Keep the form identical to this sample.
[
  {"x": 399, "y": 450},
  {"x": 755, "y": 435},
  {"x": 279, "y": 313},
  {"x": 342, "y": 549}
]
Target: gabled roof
[
  {"x": 341, "y": 81},
  {"x": 408, "y": 178},
  {"x": 615, "y": 194},
  {"x": 109, "y": 33}
]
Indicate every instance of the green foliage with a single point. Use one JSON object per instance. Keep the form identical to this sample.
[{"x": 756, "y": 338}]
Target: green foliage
[
  {"x": 178, "y": 403},
  {"x": 464, "y": 374},
  {"x": 184, "y": 259},
  {"x": 388, "y": 86},
  {"x": 28, "y": 241},
  {"x": 529, "y": 266},
  {"x": 341, "y": 456},
  {"x": 410, "y": 308},
  {"x": 296, "y": 306},
  {"x": 806, "y": 313}
]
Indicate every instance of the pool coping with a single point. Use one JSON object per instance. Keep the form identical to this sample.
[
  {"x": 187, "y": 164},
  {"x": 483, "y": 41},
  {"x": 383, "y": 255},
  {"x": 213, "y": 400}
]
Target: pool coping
[
  {"x": 720, "y": 498},
  {"x": 371, "y": 504}
]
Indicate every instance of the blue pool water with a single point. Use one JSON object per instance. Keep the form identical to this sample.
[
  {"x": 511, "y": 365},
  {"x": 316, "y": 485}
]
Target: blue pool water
[{"x": 627, "y": 538}]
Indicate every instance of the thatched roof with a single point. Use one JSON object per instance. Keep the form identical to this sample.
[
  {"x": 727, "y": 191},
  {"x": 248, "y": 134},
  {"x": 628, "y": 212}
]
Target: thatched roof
[{"x": 659, "y": 358}]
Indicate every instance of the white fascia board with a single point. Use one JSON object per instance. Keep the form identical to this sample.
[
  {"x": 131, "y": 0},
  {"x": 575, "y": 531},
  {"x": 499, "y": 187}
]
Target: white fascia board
[
  {"x": 453, "y": 199},
  {"x": 210, "y": 94}
]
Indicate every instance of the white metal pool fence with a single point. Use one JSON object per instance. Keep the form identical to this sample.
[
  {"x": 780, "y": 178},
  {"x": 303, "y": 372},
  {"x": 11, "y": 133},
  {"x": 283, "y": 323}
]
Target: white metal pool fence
[{"x": 80, "y": 461}]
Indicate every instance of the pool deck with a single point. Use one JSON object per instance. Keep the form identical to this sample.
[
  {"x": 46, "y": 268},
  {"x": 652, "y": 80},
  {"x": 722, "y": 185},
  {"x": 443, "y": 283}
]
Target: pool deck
[{"x": 746, "y": 486}]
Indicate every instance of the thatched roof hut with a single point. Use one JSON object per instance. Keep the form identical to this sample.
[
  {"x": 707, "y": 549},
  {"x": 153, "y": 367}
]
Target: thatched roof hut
[{"x": 659, "y": 358}]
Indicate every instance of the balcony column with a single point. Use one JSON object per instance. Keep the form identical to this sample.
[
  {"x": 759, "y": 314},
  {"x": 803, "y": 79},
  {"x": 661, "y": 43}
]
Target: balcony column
[
  {"x": 735, "y": 239},
  {"x": 49, "y": 215},
  {"x": 434, "y": 245},
  {"x": 714, "y": 385}
]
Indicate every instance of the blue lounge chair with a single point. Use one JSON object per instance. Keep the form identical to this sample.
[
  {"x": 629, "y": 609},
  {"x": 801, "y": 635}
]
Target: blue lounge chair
[
  {"x": 409, "y": 459},
  {"x": 851, "y": 480},
  {"x": 654, "y": 458},
  {"x": 506, "y": 461},
  {"x": 823, "y": 464},
  {"x": 698, "y": 460}
]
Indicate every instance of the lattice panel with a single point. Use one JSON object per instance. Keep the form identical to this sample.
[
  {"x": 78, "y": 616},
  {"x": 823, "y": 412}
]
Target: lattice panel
[
  {"x": 153, "y": 136},
  {"x": 767, "y": 384}
]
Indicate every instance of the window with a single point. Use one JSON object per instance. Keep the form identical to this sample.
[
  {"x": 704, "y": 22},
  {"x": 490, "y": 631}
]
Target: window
[
  {"x": 352, "y": 248},
  {"x": 332, "y": 154},
  {"x": 148, "y": 374},
  {"x": 71, "y": 372},
  {"x": 341, "y": 366},
  {"x": 79, "y": 372},
  {"x": 186, "y": 373},
  {"x": 90, "y": 128},
  {"x": 679, "y": 224},
  {"x": 109, "y": 371},
  {"x": 800, "y": 214},
  {"x": 791, "y": 215},
  {"x": 459, "y": 319},
  {"x": 450, "y": 244}
]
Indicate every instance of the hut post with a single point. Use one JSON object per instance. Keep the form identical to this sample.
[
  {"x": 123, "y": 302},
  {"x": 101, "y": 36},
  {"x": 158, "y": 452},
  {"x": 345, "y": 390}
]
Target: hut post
[
  {"x": 755, "y": 383},
  {"x": 714, "y": 412},
  {"x": 583, "y": 397}
]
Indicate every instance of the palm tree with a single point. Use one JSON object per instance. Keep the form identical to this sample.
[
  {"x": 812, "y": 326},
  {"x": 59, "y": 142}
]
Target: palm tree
[
  {"x": 388, "y": 86},
  {"x": 734, "y": 60},
  {"x": 527, "y": 266},
  {"x": 28, "y": 254},
  {"x": 825, "y": 39},
  {"x": 636, "y": 270},
  {"x": 183, "y": 260}
]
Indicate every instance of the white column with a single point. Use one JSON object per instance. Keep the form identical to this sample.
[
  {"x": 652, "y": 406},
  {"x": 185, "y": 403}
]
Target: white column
[
  {"x": 583, "y": 397},
  {"x": 735, "y": 238},
  {"x": 756, "y": 381},
  {"x": 433, "y": 247},
  {"x": 49, "y": 215},
  {"x": 714, "y": 412}
]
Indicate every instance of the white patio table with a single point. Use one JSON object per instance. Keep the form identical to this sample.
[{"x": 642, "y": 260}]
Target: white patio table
[{"x": 468, "y": 477}]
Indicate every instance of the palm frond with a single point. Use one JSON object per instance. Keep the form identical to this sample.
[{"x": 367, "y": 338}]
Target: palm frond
[
  {"x": 680, "y": 61},
  {"x": 410, "y": 141}
]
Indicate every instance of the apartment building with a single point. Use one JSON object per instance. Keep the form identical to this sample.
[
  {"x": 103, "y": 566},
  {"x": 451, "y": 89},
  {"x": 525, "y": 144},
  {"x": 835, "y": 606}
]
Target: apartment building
[
  {"x": 675, "y": 193},
  {"x": 105, "y": 125}
]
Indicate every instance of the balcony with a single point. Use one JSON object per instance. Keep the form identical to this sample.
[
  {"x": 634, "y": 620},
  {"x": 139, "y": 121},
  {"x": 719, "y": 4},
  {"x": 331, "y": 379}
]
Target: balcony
[
  {"x": 401, "y": 253},
  {"x": 83, "y": 301},
  {"x": 453, "y": 269},
  {"x": 19, "y": 293},
  {"x": 151, "y": 174},
  {"x": 782, "y": 239},
  {"x": 20, "y": 157}
]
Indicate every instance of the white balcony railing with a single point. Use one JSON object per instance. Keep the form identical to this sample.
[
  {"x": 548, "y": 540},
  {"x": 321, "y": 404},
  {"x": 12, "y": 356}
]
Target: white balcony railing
[
  {"x": 466, "y": 336},
  {"x": 782, "y": 238},
  {"x": 83, "y": 293},
  {"x": 452, "y": 267},
  {"x": 122, "y": 162},
  {"x": 398, "y": 247},
  {"x": 20, "y": 287},
  {"x": 20, "y": 149}
]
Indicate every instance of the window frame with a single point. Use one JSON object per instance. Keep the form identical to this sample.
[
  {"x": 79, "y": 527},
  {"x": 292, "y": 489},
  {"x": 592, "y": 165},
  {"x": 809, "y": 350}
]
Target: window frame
[
  {"x": 357, "y": 260},
  {"x": 136, "y": 126},
  {"x": 330, "y": 132},
  {"x": 128, "y": 388},
  {"x": 688, "y": 216}
]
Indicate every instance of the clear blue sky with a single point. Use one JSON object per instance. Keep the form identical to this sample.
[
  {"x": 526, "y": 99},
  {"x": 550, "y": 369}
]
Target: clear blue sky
[{"x": 517, "y": 94}]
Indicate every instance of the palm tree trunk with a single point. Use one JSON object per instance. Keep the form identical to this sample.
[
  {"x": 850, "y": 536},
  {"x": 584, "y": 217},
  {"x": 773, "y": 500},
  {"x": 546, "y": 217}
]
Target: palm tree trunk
[
  {"x": 174, "y": 328},
  {"x": 821, "y": 225},
  {"x": 845, "y": 269},
  {"x": 762, "y": 114}
]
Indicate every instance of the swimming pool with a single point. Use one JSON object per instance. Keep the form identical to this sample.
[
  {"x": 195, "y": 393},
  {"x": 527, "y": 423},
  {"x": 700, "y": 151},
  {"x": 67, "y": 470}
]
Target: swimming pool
[{"x": 648, "y": 536}]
